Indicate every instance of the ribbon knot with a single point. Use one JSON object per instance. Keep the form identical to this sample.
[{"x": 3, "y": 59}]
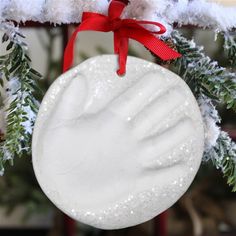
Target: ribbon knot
[
  {"x": 115, "y": 24},
  {"x": 124, "y": 29}
]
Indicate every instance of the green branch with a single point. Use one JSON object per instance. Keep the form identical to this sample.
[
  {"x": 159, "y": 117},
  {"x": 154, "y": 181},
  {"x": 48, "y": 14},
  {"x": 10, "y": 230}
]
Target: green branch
[
  {"x": 223, "y": 156},
  {"x": 206, "y": 78},
  {"x": 19, "y": 82},
  {"x": 203, "y": 75},
  {"x": 230, "y": 48}
]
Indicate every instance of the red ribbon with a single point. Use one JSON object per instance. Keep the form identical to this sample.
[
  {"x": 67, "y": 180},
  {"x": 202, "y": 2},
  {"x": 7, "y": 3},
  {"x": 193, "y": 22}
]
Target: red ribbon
[{"x": 124, "y": 29}]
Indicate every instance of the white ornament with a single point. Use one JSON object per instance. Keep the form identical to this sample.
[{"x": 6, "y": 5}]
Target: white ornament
[{"x": 114, "y": 152}]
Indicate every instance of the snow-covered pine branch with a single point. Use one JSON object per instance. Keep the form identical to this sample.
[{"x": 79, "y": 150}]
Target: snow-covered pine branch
[
  {"x": 19, "y": 104},
  {"x": 195, "y": 12},
  {"x": 210, "y": 83}
]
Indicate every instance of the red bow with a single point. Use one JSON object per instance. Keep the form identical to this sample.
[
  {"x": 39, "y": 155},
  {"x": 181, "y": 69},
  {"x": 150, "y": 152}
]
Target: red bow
[{"x": 124, "y": 29}]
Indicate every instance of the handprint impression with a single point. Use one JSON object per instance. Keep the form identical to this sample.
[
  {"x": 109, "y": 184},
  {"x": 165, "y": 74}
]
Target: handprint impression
[{"x": 130, "y": 145}]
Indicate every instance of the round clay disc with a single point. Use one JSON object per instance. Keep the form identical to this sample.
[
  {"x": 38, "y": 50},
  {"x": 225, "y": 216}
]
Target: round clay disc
[{"x": 111, "y": 151}]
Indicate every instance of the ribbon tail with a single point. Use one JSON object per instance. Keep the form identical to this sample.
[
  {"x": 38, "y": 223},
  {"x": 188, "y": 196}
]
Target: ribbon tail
[
  {"x": 151, "y": 42},
  {"x": 69, "y": 51},
  {"x": 96, "y": 22},
  {"x": 162, "y": 50},
  {"x": 121, "y": 48},
  {"x": 117, "y": 43}
]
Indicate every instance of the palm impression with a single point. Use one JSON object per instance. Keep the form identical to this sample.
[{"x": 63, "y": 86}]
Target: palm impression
[{"x": 115, "y": 152}]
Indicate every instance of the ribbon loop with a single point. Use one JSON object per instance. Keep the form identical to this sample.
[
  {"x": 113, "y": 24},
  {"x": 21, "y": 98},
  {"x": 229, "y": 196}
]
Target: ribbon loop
[
  {"x": 124, "y": 29},
  {"x": 115, "y": 9}
]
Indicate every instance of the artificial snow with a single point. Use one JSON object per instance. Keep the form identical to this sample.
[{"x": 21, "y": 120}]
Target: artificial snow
[
  {"x": 184, "y": 12},
  {"x": 210, "y": 118}
]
